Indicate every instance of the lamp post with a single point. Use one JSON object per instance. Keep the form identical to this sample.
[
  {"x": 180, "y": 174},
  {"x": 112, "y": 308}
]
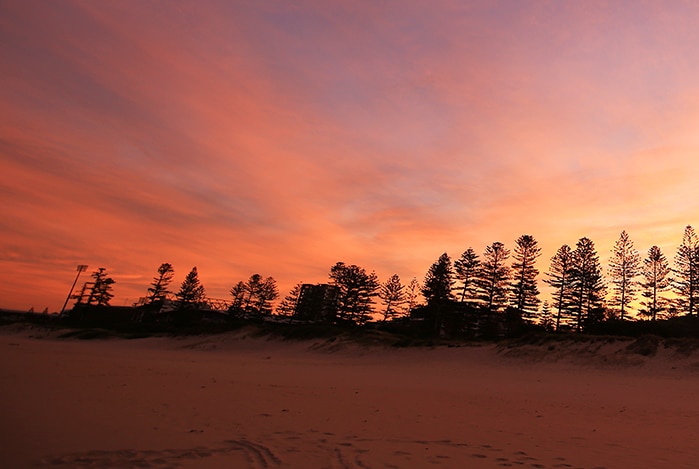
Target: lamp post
[{"x": 81, "y": 268}]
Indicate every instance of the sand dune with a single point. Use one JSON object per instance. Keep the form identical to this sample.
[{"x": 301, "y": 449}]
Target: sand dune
[{"x": 240, "y": 402}]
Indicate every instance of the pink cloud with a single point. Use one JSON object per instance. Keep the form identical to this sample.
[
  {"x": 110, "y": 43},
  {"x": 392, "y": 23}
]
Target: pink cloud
[{"x": 282, "y": 139}]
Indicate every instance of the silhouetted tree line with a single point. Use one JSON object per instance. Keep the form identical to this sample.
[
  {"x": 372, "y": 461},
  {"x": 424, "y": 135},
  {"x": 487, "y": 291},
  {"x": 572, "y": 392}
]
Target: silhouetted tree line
[{"x": 494, "y": 294}]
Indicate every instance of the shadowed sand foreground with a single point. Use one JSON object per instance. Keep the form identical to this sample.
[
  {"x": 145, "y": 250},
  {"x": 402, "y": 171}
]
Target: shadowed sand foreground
[{"x": 231, "y": 401}]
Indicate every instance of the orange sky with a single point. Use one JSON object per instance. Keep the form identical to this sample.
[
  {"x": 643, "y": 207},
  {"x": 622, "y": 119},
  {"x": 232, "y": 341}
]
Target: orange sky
[{"x": 280, "y": 138}]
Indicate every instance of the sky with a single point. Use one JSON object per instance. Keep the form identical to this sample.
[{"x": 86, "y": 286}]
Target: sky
[{"x": 280, "y": 137}]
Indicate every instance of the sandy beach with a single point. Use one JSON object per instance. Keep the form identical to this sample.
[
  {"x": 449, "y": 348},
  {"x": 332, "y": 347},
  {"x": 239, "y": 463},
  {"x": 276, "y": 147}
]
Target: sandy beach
[{"x": 233, "y": 401}]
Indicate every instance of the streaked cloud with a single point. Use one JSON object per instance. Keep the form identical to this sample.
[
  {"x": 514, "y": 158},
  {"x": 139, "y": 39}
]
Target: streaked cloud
[{"x": 280, "y": 138}]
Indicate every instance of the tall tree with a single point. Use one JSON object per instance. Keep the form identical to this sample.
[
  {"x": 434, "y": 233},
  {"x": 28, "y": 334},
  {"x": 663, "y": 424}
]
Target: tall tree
[
  {"x": 624, "y": 267},
  {"x": 158, "y": 289},
  {"x": 392, "y": 295},
  {"x": 412, "y": 292},
  {"x": 260, "y": 293},
  {"x": 586, "y": 283},
  {"x": 357, "y": 288},
  {"x": 545, "y": 319},
  {"x": 494, "y": 277},
  {"x": 101, "y": 291},
  {"x": 525, "y": 292},
  {"x": 656, "y": 273},
  {"x": 287, "y": 307},
  {"x": 466, "y": 269},
  {"x": 559, "y": 278},
  {"x": 254, "y": 296},
  {"x": 439, "y": 281},
  {"x": 191, "y": 294},
  {"x": 239, "y": 294},
  {"x": 686, "y": 280}
]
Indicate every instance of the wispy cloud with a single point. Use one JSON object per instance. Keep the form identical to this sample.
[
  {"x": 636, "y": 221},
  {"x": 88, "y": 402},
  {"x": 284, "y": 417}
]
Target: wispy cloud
[{"x": 281, "y": 138}]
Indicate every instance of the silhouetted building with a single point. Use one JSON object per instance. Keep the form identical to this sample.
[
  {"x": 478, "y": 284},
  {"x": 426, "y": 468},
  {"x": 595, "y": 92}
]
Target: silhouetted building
[{"x": 317, "y": 303}]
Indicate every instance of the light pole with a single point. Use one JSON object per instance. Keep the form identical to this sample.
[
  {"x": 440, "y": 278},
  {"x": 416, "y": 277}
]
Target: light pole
[{"x": 81, "y": 268}]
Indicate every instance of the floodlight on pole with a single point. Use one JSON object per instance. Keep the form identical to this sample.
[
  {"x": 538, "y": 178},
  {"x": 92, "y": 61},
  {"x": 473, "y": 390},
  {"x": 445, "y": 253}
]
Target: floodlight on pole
[{"x": 81, "y": 268}]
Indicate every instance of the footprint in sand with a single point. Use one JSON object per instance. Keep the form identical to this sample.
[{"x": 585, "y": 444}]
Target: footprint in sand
[
  {"x": 318, "y": 448},
  {"x": 238, "y": 451}
]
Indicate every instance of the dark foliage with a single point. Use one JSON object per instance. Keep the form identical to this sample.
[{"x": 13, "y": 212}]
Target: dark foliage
[
  {"x": 494, "y": 277},
  {"x": 656, "y": 273},
  {"x": 254, "y": 297},
  {"x": 587, "y": 285},
  {"x": 439, "y": 281},
  {"x": 686, "y": 280},
  {"x": 560, "y": 279},
  {"x": 357, "y": 288},
  {"x": 392, "y": 295},
  {"x": 525, "y": 292},
  {"x": 191, "y": 295},
  {"x": 624, "y": 267},
  {"x": 495, "y": 301},
  {"x": 466, "y": 269},
  {"x": 158, "y": 290}
]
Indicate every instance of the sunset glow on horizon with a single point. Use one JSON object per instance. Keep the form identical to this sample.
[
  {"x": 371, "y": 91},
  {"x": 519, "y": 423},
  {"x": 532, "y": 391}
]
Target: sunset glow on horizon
[{"x": 277, "y": 138}]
